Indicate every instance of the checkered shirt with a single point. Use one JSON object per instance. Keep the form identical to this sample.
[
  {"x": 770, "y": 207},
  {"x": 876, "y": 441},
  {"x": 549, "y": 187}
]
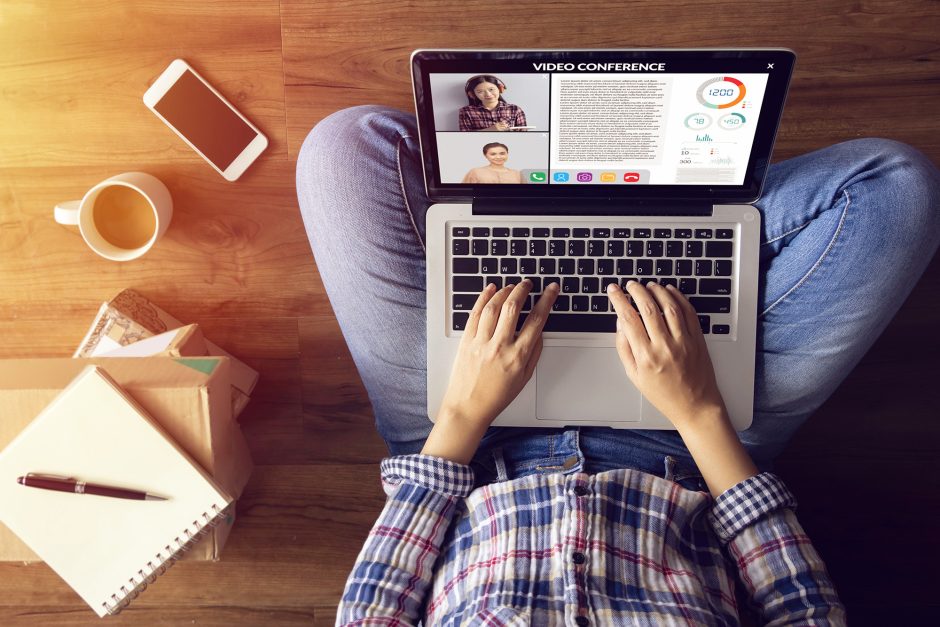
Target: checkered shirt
[
  {"x": 617, "y": 548},
  {"x": 476, "y": 117}
]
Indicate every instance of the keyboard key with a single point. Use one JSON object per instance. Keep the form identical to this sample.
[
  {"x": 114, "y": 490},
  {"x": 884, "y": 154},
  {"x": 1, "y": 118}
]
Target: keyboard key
[
  {"x": 717, "y": 249},
  {"x": 577, "y": 322},
  {"x": 460, "y": 320},
  {"x": 536, "y": 247},
  {"x": 536, "y": 284},
  {"x": 489, "y": 265},
  {"x": 684, "y": 267},
  {"x": 703, "y": 233},
  {"x": 641, "y": 233},
  {"x": 580, "y": 303},
  {"x": 723, "y": 267},
  {"x": 466, "y": 265},
  {"x": 513, "y": 280},
  {"x": 596, "y": 248},
  {"x": 465, "y": 302},
  {"x": 688, "y": 286},
  {"x": 527, "y": 266},
  {"x": 703, "y": 267},
  {"x": 480, "y": 247},
  {"x": 714, "y": 286},
  {"x": 605, "y": 233},
  {"x": 495, "y": 280},
  {"x": 605, "y": 266},
  {"x": 461, "y": 231},
  {"x": 548, "y": 280},
  {"x": 711, "y": 304},
  {"x": 654, "y": 249},
  {"x": 583, "y": 233},
  {"x": 693, "y": 249},
  {"x": 556, "y": 247},
  {"x": 501, "y": 232},
  {"x": 724, "y": 233},
  {"x": 621, "y": 233},
  {"x": 585, "y": 266},
  {"x": 561, "y": 232},
  {"x": 481, "y": 231},
  {"x": 499, "y": 247},
  {"x": 624, "y": 266},
  {"x": 669, "y": 281},
  {"x": 570, "y": 285},
  {"x": 560, "y": 304},
  {"x": 566, "y": 266},
  {"x": 721, "y": 329},
  {"x": 518, "y": 247},
  {"x": 600, "y": 304},
  {"x": 575, "y": 248},
  {"x": 526, "y": 303},
  {"x": 644, "y": 267},
  {"x": 683, "y": 233},
  {"x": 647, "y": 280},
  {"x": 663, "y": 267},
  {"x": 614, "y": 248},
  {"x": 607, "y": 280},
  {"x": 662, "y": 233},
  {"x": 634, "y": 248},
  {"x": 673, "y": 248},
  {"x": 520, "y": 231},
  {"x": 540, "y": 232},
  {"x": 705, "y": 322},
  {"x": 547, "y": 266},
  {"x": 507, "y": 265},
  {"x": 590, "y": 285},
  {"x": 467, "y": 283},
  {"x": 461, "y": 247}
]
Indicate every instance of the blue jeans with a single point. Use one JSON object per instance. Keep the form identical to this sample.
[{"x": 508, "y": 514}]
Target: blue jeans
[{"x": 847, "y": 232}]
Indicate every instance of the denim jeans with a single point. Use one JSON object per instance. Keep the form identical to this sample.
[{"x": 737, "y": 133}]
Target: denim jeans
[{"x": 846, "y": 233}]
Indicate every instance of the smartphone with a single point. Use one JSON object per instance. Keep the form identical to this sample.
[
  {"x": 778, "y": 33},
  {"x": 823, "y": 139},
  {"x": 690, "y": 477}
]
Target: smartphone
[{"x": 205, "y": 120}]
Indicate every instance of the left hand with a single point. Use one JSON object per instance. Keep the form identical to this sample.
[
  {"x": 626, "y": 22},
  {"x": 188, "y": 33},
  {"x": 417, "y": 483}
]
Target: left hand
[{"x": 492, "y": 365}]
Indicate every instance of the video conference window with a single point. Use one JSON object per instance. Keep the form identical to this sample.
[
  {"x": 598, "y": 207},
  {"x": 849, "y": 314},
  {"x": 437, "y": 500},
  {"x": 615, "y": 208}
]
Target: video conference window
[{"x": 595, "y": 128}]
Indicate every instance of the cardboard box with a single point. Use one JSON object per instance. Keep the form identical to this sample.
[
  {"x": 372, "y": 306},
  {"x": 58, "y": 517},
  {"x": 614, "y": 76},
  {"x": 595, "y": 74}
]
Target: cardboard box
[
  {"x": 182, "y": 342},
  {"x": 189, "y": 396},
  {"x": 129, "y": 317}
]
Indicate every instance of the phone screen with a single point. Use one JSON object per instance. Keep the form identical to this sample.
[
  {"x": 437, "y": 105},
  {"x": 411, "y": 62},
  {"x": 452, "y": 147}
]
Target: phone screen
[{"x": 217, "y": 131}]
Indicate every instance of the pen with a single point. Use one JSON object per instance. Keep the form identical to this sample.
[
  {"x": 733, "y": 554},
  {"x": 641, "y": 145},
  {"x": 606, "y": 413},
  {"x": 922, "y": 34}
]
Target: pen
[{"x": 70, "y": 484}]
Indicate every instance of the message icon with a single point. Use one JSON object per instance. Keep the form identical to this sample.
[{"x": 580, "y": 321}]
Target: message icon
[
  {"x": 537, "y": 177},
  {"x": 631, "y": 177},
  {"x": 561, "y": 177},
  {"x": 585, "y": 177},
  {"x": 608, "y": 177}
]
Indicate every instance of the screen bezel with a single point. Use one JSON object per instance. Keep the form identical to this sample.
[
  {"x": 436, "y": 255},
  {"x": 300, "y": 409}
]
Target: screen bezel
[{"x": 425, "y": 62}]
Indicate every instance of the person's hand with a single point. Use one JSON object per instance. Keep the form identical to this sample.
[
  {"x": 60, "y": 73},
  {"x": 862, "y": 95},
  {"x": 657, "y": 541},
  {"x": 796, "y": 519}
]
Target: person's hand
[
  {"x": 500, "y": 126},
  {"x": 664, "y": 353},
  {"x": 492, "y": 365}
]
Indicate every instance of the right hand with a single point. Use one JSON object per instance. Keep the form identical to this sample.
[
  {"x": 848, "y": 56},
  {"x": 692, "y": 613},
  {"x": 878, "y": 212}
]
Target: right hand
[
  {"x": 500, "y": 126},
  {"x": 664, "y": 353}
]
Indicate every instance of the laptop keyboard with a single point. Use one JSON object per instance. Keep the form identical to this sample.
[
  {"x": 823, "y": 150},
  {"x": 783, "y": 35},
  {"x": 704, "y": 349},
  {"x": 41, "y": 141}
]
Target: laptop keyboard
[{"x": 584, "y": 260}]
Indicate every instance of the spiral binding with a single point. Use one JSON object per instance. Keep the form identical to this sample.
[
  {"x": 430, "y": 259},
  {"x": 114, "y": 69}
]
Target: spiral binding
[{"x": 156, "y": 568}]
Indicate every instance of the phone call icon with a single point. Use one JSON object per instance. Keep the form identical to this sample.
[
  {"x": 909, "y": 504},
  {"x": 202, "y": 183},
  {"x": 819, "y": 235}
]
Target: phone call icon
[{"x": 631, "y": 177}]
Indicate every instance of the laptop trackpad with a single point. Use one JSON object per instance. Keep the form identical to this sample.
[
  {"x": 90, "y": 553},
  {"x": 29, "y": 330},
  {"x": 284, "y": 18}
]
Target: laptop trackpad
[{"x": 576, "y": 384}]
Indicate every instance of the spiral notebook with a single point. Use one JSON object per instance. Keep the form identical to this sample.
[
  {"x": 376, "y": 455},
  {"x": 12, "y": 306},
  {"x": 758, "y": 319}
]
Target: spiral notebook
[{"x": 107, "y": 549}]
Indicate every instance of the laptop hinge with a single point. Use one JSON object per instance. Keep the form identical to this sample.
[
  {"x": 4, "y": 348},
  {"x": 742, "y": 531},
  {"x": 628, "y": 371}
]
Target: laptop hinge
[{"x": 588, "y": 207}]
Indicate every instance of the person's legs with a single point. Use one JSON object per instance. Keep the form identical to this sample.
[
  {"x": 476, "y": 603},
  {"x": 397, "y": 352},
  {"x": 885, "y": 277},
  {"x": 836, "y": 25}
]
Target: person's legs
[{"x": 847, "y": 232}]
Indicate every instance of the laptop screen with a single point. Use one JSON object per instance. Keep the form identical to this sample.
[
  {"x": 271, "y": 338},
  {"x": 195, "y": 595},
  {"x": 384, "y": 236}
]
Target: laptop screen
[{"x": 655, "y": 124}]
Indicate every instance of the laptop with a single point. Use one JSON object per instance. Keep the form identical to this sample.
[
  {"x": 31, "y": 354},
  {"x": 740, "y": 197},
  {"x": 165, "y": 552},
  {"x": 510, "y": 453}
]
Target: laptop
[{"x": 590, "y": 167}]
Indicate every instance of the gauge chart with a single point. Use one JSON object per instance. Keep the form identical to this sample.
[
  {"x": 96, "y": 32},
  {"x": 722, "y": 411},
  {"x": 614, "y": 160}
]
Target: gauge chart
[{"x": 721, "y": 92}]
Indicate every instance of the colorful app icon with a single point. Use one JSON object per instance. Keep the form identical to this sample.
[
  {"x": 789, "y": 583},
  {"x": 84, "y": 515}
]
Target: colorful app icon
[
  {"x": 585, "y": 177},
  {"x": 631, "y": 177},
  {"x": 608, "y": 177},
  {"x": 561, "y": 177},
  {"x": 538, "y": 177}
]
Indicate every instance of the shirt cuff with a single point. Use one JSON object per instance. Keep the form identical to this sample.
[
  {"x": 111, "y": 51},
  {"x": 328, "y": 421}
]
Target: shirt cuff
[
  {"x": 747, "y": 502},
  {"x": 434, "y": 473}
]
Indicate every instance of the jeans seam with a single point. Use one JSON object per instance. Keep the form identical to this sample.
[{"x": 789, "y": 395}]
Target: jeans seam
[
  {"x": 835, "y": 236},
  {"x": 404, "y": 196},
  {"x": 782, "y": 235}
]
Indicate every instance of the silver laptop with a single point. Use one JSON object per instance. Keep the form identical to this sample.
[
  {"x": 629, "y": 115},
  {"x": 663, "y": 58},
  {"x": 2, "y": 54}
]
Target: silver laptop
[{"x": 590, "y": 167}]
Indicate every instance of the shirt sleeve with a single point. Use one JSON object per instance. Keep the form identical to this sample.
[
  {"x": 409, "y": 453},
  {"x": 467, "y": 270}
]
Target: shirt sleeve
[
  {"x": 392, "y": 574},
  {"x": 463, "y": 117},
  {"x": 520, "y": 117},
  {"x": 784, "y": 575}
]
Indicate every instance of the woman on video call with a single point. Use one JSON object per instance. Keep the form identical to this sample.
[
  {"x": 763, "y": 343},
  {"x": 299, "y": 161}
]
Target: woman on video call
[
  {"x": 496, "y": 171},
  {"x": 488, "y": 111}
]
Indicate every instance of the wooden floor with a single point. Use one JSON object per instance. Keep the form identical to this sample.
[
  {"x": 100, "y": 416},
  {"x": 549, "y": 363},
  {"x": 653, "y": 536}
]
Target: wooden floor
[{"x": 236, "y": 260}]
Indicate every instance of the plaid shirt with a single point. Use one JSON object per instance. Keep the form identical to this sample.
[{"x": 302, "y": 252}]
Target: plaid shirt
[
  {"x": 617, "y": 548},
  {"x": 476, "y": 117}
]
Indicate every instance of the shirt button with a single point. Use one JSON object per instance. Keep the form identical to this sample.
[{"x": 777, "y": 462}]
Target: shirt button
[
  {"x": 582, "y": 621},
  {"x": 578, "y": 558},
  {"x": 580, "y": 490}
]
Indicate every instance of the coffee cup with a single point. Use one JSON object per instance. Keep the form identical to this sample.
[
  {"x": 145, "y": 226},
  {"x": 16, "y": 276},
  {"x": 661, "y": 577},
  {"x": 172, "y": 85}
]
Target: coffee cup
[{"x": 122, "y": 217}]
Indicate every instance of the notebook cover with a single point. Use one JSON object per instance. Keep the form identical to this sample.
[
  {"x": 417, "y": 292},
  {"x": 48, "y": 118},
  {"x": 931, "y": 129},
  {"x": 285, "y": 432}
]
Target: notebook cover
[{"x": 106, "y": 549}]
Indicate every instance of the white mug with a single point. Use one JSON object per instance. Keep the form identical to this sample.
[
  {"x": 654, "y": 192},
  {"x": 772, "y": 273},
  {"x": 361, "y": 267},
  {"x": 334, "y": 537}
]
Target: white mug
[{"x": 138, "y": 237}]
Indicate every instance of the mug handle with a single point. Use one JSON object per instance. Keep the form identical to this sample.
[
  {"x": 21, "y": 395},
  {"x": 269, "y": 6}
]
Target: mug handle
[{"x": 67, "y": 212}]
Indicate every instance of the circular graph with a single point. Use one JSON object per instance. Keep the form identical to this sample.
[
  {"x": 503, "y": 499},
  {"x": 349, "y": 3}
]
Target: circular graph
[
  {"x": 721, "y": 92},
  {"x": 698, "y": 121},
  {"x": 731, "y": 121}
]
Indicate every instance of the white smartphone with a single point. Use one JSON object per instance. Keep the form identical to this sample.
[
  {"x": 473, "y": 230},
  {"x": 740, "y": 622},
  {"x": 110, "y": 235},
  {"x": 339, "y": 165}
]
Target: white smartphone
[{"x": 205, "y": 120}]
